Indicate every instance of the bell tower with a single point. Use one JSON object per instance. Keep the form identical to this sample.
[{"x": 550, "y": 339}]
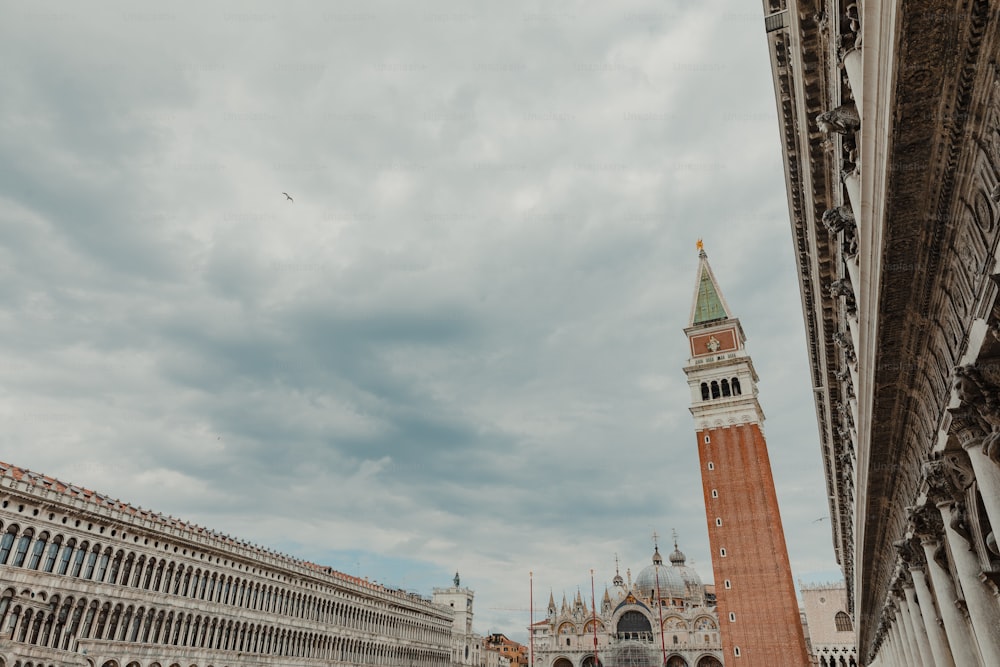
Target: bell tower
[{"x": 756, "y": 602}]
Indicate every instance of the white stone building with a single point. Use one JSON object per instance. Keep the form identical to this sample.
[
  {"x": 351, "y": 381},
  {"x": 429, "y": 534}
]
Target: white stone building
[
  {"x": 831, "y": 631},
  {"x": 466, "y": 645},
  {"x": 87, "y": 580},
  {"x": 664, "y": 617}
]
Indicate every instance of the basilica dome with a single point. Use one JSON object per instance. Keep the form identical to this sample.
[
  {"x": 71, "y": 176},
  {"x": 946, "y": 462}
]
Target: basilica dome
[
  {"x": 667, "y": 580},
  {"x": 688, "y": 574}
]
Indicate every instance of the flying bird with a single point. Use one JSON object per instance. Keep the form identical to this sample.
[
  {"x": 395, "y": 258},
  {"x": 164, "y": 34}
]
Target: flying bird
[
  {"x": 822, "y": 518},
  {"x": 288, "y": 196}
]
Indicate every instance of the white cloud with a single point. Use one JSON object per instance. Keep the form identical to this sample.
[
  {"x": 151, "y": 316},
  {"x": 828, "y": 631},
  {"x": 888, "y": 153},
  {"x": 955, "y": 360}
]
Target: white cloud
[{"x": 461, "y": 346}]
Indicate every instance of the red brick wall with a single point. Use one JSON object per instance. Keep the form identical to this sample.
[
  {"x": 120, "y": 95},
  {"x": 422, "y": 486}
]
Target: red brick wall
[{"x": 768, "y": 629}]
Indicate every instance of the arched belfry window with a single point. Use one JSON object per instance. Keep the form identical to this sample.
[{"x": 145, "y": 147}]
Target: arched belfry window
[
  {"x": 843, "y": 622},
  {"x": 704, "y": 391},
  {"x": 725, "y": 388},
  {"x": 736, "y": 387},
  {"x": 715, "y": 389}
]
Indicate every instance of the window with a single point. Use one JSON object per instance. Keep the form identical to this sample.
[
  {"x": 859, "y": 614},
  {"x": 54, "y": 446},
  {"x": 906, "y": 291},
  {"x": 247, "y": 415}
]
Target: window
[
  {"x": 736, "y": 387},
  {"x": 711, "y": 466},
  {"x": 843, "y": 622},
  {"x": 103, "y": 567},
  {"x": 36, "y": 553},
  {"x": 722, "y": 552},
  {"x": 6, "y": 543},
  {"x": 704, "y": 391},
  {"x": 736, "y": 651},
  {"x": 708, "y": 439},
  {"x": 732, "y": 617},
  {"x": 22, "y": 550},
  {"x": 66, "y": 554},
  {"x": 50, "y": 558},
  {"x": 715, "y": 493},
  {"x": 728, "y": 584},
  {"x": 715, "y": 389},
  {"x": 718, "y": 521},
  {"x": 725, "y": 388},
  {"x": 78, "y": 561},
  {"x": 91, "y": 560}
]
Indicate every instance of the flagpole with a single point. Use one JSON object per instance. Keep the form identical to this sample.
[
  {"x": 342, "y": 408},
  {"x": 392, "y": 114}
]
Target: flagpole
[
  {"x": 593, "y": 604},
  {"x": 531, "y": 619},
  {"x": 659, "y": 601}
]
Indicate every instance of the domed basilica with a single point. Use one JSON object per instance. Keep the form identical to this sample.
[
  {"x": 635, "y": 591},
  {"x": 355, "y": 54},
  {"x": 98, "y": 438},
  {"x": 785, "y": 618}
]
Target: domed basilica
[{"x": 665, "y": 616}]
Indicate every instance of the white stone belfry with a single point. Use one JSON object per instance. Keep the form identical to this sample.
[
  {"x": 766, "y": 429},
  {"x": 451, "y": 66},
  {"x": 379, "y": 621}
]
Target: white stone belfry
[{"x": 720, "y": 372}]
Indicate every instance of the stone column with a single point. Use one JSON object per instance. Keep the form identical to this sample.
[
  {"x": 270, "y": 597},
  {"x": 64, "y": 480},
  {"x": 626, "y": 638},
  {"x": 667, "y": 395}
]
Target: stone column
[
  {"x": 906, "y": 641},
  {"x": 853, "y": 183},
  {"x": 938, "y": 638},
  {"x": 897, "y": 644},
  {"x": 853, "y": 67},
  {"x": 988, "y": 478},
  {"x": 983, "y": 611},
  {"x": 972, "y": 425},
  {"x": 906, "y": 629},
  {"x": 959, "y": 637},
  {"x": 917, "y": 622}
]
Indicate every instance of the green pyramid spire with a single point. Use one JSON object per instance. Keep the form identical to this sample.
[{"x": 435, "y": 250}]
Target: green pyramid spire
[{"x": 709, "y": 305}]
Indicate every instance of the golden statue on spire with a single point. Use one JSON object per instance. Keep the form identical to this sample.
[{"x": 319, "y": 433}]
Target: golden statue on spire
[{"x": 699, "y": 245}]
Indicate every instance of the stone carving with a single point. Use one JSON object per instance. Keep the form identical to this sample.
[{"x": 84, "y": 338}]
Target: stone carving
[
  {"x": 841, "y": 218},
  {"x": 841, "y": 120},
  {"x": 995, "y": 194},
  {"x": 925, "y": 522},
  {"x": 978, "y": 413},
  {"x": 852, "y": 36},
  {"x": 844, "y": 410},
  {"x": 843, "y": 341},
  {"x": 960, "y": 521},
  {"x": 941, "y": 485},
  {"x": 842, "y": 288},
  {"x": 909, "y": 555}
]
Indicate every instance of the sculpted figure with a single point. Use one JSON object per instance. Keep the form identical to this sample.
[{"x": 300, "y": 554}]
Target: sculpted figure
[
  {"x": 979, "y": 403},
  {"x": 841, "y": 120},
  {"x": 841, "y": 219}
]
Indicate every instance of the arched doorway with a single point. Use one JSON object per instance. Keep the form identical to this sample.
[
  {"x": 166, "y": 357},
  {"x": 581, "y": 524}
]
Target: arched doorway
[
  {"x": 676, "y": 661},
  {"x": 589, "y": 662},
  {"x": 562, "y": 662},
  {"x": 709, "y": 661}
]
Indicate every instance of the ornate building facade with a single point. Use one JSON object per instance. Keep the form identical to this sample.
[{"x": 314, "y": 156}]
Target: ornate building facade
[
  {"x": 749, "y": 556},
  {"x": 664, "y": 617},
  {"x": 87, "y": 580},
  {"x": 831, "y": 631},
  {"x": 889, "y": 120}
]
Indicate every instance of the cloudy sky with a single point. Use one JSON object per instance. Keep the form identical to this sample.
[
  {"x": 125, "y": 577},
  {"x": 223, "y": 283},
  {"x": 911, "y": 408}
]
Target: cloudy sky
[{"x": 460, "y": 347}]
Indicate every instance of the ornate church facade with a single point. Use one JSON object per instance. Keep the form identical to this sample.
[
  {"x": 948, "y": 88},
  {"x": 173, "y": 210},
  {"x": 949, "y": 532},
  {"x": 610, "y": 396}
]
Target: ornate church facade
[
  {"x": 889, "y": 121},
  {"x": 666, "y": 616},
  {"x": 87, "y": 580}
]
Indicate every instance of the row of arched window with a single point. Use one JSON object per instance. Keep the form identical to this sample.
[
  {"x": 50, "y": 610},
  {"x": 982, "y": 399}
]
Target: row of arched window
[
  {"x": 64, "y": 622},
  {"x": 103, "y": 564},
  {"x": 834, "y": 661},
  {"x": 717, "y": 389}
]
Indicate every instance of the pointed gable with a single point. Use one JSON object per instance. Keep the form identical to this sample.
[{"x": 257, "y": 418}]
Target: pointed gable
[{"x": 708, "y": 306}]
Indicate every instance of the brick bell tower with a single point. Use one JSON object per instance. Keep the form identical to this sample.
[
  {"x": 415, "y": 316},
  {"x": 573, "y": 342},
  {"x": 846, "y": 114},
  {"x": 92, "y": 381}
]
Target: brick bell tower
[{"x": 757, "y": 606}]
